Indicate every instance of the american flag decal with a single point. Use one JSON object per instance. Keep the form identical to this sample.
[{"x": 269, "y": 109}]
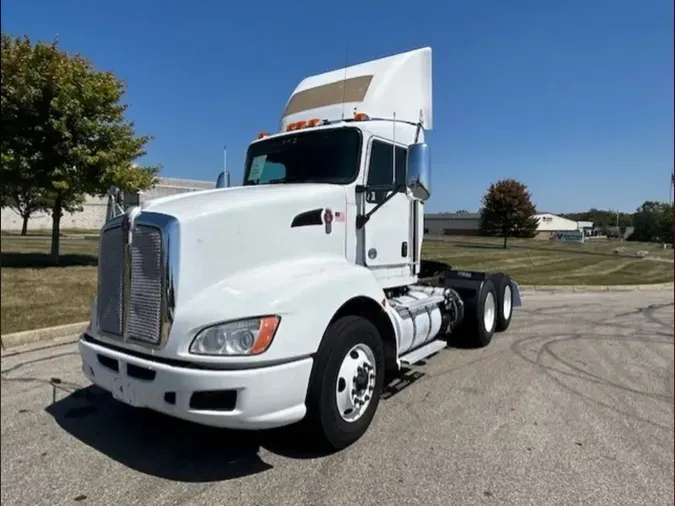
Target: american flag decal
[{"x": 340, "y": 216}]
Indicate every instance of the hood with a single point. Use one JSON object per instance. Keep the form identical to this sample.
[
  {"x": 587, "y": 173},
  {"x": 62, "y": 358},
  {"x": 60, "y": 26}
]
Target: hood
[{"x": 228, "y": 231}]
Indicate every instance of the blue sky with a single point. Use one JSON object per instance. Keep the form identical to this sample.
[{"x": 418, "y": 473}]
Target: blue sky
[{"x": 574, "y": 97}]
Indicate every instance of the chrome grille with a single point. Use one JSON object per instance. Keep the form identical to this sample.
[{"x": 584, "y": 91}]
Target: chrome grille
[
  {"x": 110, "y": 287},
  {"x": 144, "y": 319},
  {"x": 137, "y": 280}
]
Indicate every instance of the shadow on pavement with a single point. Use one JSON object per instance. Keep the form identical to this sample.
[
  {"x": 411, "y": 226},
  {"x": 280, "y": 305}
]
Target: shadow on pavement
[{"x": 169, "y": 448}]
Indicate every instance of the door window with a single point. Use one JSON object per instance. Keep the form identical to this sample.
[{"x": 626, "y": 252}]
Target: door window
[{"x": 381, "y": 168}]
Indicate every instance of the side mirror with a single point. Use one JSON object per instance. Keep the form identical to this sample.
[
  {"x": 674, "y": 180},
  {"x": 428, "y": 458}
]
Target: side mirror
[
  {"x": 220, "y": 182},
  {"x": 114, "y": 207},
  {"x": 223, "y": 180},
  {"x": 419, "y": 171}
]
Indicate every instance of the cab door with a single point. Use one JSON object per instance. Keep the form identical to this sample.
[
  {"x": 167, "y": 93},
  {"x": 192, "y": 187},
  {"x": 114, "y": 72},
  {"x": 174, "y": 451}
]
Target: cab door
[{"x": 387, "y": 233}]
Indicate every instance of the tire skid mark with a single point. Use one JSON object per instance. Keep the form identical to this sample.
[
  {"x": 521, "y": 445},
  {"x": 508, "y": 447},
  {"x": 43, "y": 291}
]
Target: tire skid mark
[
  {"x": 36, "y": 361},
  {"x": 550, "y": 372}
]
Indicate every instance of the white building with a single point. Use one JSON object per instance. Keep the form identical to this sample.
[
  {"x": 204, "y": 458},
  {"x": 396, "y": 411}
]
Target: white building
[
  {"x": 451, "y": 223},
  {"x": 586, "y": 227},
  {"x": 551, "y": 223},
  {"x": 95, "y": 209}
]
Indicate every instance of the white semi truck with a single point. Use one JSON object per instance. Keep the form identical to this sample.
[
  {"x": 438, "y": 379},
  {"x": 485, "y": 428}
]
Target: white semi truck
[{"x": 292, "y": 297}]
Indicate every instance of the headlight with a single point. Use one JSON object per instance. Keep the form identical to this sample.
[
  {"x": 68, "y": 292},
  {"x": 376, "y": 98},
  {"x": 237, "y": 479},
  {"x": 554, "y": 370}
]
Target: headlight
[{"x": 242, "y": 337}]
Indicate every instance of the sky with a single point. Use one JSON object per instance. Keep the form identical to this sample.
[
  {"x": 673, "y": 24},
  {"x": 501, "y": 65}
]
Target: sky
[{"x": 574, "y": 98}]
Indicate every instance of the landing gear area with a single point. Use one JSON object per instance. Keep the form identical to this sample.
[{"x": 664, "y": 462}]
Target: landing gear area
[{"x": 488, "y": 301}]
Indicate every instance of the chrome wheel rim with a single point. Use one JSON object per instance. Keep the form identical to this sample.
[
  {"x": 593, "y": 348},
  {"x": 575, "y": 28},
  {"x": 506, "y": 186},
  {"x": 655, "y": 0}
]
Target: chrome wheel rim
[
  {"x": 507, "y": 305},
  {"x": 355, "y": 383},
  {"x": 489, "y": 312}
]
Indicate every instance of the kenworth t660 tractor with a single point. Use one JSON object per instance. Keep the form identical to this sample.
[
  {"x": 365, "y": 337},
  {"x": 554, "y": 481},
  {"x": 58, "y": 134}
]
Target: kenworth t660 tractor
[{"x": 293, "y": 296}]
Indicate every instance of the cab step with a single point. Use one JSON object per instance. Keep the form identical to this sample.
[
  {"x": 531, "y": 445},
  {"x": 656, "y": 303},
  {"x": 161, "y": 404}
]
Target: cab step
[{"x": 423, "y": 352}]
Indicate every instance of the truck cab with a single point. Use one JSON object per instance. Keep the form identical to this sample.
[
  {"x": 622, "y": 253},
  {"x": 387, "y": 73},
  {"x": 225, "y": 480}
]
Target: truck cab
[{"x": 292, "y": 297}]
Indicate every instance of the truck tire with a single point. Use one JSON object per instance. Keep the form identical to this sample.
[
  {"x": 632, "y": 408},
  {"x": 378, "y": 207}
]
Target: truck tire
[
  {"x": 346, "y": 382},
  {"x": 504, "y": 301},
  {"x": 482, "y": 316}
]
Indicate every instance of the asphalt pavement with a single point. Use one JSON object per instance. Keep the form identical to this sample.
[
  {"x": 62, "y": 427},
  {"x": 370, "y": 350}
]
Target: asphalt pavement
[{"x": 573, "y": 405}]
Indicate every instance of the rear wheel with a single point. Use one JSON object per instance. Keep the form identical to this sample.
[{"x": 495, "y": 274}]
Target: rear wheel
[
  {"x": 482, "y": 316},
  {"x": 346, "y": 382},
  {"x": 505, "y": 301}
]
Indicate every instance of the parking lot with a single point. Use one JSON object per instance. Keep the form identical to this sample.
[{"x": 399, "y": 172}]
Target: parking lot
[{"x": 573, "y": 405}]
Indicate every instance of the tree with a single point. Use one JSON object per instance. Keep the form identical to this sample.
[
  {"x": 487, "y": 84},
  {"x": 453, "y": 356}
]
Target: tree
[
  {"x": 667, "y": 224},
  {"x": 65, "y": 128},
  {"x": 653, "y": 222},
  {"x": 602, "y": 218},
  {"x": 19, "y": 194},
  {"x": 507, "y": 211}
]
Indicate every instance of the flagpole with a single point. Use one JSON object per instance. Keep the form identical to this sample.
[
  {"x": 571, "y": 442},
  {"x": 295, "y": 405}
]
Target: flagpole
[{"x": 227, "y": 174}]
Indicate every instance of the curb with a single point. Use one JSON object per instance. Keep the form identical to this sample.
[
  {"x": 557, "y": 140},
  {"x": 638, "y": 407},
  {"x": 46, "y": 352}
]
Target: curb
[
  {"x": 38, "y": 346},
  {"x": 656, "y": 287},
  {"x": 45, "y": 334}
]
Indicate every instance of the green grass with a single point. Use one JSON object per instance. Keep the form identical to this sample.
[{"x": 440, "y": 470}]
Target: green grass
[
  {"x": 36, "y": 294},
  {"x": 543, "y": 262}
]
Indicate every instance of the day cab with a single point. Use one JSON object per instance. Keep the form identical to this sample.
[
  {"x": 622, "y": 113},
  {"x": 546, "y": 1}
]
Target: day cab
[{"x": 291, "y": 297}]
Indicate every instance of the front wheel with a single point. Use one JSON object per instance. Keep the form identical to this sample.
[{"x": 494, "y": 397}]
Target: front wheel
[{"x": 346, "y": 382}]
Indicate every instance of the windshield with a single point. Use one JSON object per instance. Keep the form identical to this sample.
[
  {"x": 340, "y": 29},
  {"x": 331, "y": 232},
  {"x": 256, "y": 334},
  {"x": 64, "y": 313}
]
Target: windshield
[{"x": 320, "y": 156}]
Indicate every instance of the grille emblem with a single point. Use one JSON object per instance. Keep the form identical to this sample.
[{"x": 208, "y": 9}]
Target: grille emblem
[{"x": 328, "y": 220}]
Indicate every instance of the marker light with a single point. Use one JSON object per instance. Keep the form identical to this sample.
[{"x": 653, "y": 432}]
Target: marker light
[
  {"x": 360, "y": 116},
  {"x": 262, "y": 135},
  {"x": 299, "y": 125},
  {"x": 296, "y": 126}
]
